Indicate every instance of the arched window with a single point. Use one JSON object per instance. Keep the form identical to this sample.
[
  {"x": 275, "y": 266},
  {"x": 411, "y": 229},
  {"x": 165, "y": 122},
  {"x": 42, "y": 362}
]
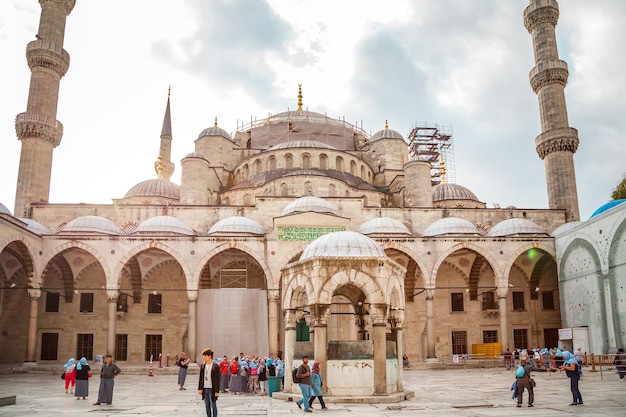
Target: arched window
[
  {"x": 257, "y": 166},
  {"x": 323, "y": 161},
  {"x": 308, "y": 188},
  {"x": 353, "y": 168},
  {"x": 339, "y": 164},
  {"x": 306, "y": 161},
  {"x": 362, "y": 172},
  {"x": 284, "y": 190},
  {"x": 288, "y": 161},
  {"x": 271, "y": 163},
  {"x": 246, "y": 171}
]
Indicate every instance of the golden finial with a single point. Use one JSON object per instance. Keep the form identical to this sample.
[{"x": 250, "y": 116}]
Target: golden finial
[
  {"x": 160, "y": 167},
  {"x": 215, "y": 124},
  {"x": 300, "y": 97},
  {"x": 169, "y": 91},
  {"x": 442, "y": 164},
  {"x": 386, "y": 124}
]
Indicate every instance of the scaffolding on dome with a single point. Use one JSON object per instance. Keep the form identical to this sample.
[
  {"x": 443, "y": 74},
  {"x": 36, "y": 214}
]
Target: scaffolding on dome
[{"x": 434, "y": 144}]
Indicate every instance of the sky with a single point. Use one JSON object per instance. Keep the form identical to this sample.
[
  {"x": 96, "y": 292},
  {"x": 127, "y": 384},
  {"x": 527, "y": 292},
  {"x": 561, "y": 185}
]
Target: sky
[{"x": 457, "y": 63}]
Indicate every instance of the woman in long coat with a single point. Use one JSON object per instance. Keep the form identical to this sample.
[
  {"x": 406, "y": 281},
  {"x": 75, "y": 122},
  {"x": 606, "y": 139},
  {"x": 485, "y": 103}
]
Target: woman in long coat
[
  {"x": 82, "y": 379},
  {"x": 316, "y": 386}
]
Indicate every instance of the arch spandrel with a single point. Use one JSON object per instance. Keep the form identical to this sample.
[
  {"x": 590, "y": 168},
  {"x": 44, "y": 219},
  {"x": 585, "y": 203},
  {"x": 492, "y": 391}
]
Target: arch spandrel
[
  {"x": 60, "y": 249},
  {"x": 300, "y": 281},
  {"x": 548, "y": 250},
  {"x": 495, "y": 266},
  {"x": 27, "y": 252}
]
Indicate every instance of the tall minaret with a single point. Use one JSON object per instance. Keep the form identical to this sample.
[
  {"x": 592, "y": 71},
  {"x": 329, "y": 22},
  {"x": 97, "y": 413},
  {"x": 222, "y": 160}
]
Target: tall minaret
[
  {"x": 558, "y": 142},
  {"x": 37, "y": 128},
  {"x": 165, "y": 151}
]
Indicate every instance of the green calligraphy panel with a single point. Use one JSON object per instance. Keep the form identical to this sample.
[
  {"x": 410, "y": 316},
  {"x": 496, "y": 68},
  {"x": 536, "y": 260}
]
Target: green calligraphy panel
[{"x": 305, "y": 233}]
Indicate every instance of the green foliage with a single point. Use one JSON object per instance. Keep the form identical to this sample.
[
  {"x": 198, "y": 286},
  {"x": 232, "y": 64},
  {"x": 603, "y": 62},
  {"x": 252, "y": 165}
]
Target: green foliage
[{"x": 619, "y": 192}]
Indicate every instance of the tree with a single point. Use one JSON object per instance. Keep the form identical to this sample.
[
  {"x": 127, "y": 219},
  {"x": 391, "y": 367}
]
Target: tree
[{"x": 619, "y": 192}]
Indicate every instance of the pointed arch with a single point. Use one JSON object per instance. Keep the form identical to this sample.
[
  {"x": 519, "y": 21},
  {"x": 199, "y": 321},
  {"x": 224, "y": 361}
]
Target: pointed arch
[
  {"x": 26, "y": 252},
  {"x": 121, "y": 264},
  {"x": 65, "y": 247},
  {"x": 465, "y": 245}
]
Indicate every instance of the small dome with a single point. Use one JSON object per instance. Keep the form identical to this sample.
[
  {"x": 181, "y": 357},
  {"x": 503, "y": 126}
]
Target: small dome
[
  {"x": 451, "y": 226},
  {"x": 511, "y": 227},
  {"x": 92, "y": 224},
  {"x": 167, "y": 224},
  {"x": 195, "y": 155},
  {"x": 343, "y": 245},
  {"x": 564, "y": 228},
  {"x": 607, "y": 206},
  {"x": 155, "y": 188},
  {"x": 237, "y": 224},
  {"x": 383, "y": 226},
  {"x": 301, "y": 144},
  {"x": 443, "y": 192},
  {"x": 309, "y": 203},
  {"x": 215, "y": 131},
  {"x": 5, "y": 210},
  {"x": 387, "y": 134},
  {"x": 36, "y": 227}
]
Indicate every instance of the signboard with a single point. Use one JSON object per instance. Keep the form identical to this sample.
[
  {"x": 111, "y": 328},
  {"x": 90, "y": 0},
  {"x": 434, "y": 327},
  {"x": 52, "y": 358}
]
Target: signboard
[
  {"x": 305, "y": 233},
  {"x": 455, "y": 358},
  {"x": 565, "y": 334}
]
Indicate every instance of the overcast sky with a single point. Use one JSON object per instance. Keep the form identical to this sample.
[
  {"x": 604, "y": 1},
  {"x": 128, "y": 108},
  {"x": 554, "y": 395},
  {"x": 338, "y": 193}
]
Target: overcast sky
[{"x": 453, "y": 62}]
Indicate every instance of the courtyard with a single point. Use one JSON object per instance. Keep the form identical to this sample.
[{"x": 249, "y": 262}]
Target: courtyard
[{"x": 475, "y": 392}]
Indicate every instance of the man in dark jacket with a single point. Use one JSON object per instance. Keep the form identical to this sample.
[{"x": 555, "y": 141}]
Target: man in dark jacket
[
  {"x": 209, "y": 383},
  {"x": 107, "y": 381}
]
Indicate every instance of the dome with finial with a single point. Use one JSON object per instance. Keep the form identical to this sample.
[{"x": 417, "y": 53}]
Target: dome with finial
[
  {"x": 91, "y": 224},
  {"x": 384, "y": 226},
  {"x": 386, "y": 133},
  {"x": 215, "y": 131},
  {"x": 237, "y": 224},
  {"x": 344, "y": 244},
  {"x": 309, "y": 203}
]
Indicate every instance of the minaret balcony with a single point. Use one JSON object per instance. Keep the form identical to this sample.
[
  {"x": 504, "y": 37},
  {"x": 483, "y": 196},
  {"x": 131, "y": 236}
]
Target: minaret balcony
[
  {"x": 548, "y": 72},
  {"x": 42, "y": 53},
  {"x": 35, "y": 125}
]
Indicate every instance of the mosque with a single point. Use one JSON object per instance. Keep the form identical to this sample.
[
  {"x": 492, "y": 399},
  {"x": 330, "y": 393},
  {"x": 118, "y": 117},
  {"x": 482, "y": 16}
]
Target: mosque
[{"x": 300, "y": 228}]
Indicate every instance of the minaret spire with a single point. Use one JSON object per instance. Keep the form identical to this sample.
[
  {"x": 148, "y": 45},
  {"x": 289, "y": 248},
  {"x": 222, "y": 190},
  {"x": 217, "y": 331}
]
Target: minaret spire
[
  {"x": 164, "y": 166},
  {"x": 300, "y": 97},
  {"x": 558, "y": 142},
  {"x": 38, "y": 128}
]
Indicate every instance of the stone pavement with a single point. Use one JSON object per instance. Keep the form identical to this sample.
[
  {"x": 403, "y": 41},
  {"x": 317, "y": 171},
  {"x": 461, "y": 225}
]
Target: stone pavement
[{"x": 459, "y": 393}]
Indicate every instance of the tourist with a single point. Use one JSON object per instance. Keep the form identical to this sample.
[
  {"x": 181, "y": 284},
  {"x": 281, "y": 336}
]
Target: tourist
[
  {"x": 70, "y": 375},
  {"x": 209, "y": 383},
  {"x": 405, "y": 361},
  {"x": 262, "y": 373},
  {"x": 82, "y": 379},
  {"x": 580, "y": 357},
  {"x": 316, "y": 386},
  {"x": 516, "y": 357},
  {"x": 253, "y": 378},
  {"x": 224, "y": 371},
  {"x": 182, "y": 364},
  {"x": 524, "y": 381},
  {"x": 271, "y": 368},
  {"x": 620, "y": 364},
  {"x": 236, "y": 386},
  {"x": 303, "y": 377},
  {"x": 508, "y": 356},
  {"x": 280, "y": 372},
  {"x": 570, "y": 365},
  {"x": 109, "y": 371}
]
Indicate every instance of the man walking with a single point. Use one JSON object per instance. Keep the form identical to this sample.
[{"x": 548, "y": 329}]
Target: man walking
[
  {"x": 183, "y": 363},
  {"x": 209, "y": 383},
  {"x": 107, "y": 381},
  {"x": 303, "y": 375}
]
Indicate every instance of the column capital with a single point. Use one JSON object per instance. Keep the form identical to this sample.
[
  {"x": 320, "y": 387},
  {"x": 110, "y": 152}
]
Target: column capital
[
  {"x": 192, "y": 295},
  {"x": 34, "y": 294},
  {"x": 290, "y": 319},
  {"x": 273, "y": 295}
]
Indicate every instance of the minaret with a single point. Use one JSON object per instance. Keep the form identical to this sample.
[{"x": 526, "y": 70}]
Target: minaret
[
  {"x": 558, "y": 142},
  {"x": 165, "y": 151},
  {"x": 37, "y": 128}
]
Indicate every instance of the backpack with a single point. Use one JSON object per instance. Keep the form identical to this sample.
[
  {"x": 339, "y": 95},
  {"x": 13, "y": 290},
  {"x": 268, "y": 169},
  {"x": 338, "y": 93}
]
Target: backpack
[
  {"x": 520, "y": 372},
  {"x": 294, "y": 374}
]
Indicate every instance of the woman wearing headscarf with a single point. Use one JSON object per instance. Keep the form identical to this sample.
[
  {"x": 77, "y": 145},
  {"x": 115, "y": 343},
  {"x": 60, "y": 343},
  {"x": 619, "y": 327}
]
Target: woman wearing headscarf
[
  {"x": 316, "y": 386},
  {"x": 70, "y": 375},
  {"x": 620, "y": 364},
  {"x": 82, "y": 379},
  {"x": 524, "y": 381},
  {"x": 571, "y": 367}
]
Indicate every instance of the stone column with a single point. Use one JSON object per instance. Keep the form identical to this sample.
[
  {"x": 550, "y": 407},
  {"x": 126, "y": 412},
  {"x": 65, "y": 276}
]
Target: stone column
[
  {"x": 320, "y": 341},
  {"x": 430, "y": 324},
  {"x": 290, "y": 343},
  {"x": 192, "y": 325},
  {"x": 400, "y": 353},
  {"x": 112, "y": 322},
  {"x": 273, "y": 297},
  {"x": 31, "y": 337},
  {"x": 504, "y": 323},
  {"x": 608, "y": 311},
  {"x": 380, "y": 358}
]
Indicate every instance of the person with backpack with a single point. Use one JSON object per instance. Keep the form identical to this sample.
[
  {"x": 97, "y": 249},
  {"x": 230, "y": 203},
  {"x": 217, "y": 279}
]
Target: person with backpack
[
  {"x": 571, "y": 366},
  {"x": 316, "y": 386},
  {"x": 524, "y": 381},
  {"x": 224, "y": 364},
  {"x": 70, "y": 375},
  {"x": 236, "y": 386},
  {"x": 302, "y": 376}
]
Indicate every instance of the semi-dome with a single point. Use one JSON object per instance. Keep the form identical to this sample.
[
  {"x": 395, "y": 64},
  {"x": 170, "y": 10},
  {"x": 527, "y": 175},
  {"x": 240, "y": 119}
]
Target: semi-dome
[
  {"x": 309, "y": 203},
  {"x": 301, "y": 144},
  {"x": 451, "y": 226},
  {"x": 512, "y": 227},
  {"x": 5, "y": 210},
  {"x": 215, "y": 131},
  {"x": 386, "y": 134},
  {"x": 164, "y": 224},
  {"x": 343, "y": 245},
  {"x": 564, "y": 228},
  {"x": 195, "y": 155},
  {"x": 442, "y": 192},
  {"x": 237, "y": 224},
  {"x": 607, "y": 206},
  {"x": 383, "y": 225},
  {"x": 155, "y": 188},
  {"x": 36, "y": 227},
  {"x": 92, "y": 224}
]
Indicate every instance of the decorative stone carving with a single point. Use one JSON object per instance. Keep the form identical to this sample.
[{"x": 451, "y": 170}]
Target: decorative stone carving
[
  {"x": 68, "y": 5},
  {"x": 536, "y": 16},
  {"x": 565, "y": 139},
  {"x": 42, "y": 53},
  {"x": 34, "y": 125},
  {"x": 554, "y": 74},
  {"x": 34, "y": 294}
]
